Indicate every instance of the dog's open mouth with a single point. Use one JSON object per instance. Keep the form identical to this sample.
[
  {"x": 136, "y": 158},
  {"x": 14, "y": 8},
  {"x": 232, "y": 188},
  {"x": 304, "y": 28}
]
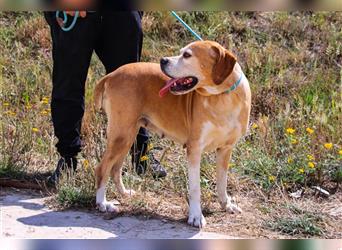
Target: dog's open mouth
[{"x": 181, "y": 84}]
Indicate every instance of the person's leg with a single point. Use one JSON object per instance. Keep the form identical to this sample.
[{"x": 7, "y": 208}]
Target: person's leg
[
  {"x": 121, "y": 43},
  {"x": 120, "y": 39},
  {"x": 71, "y": 55}
]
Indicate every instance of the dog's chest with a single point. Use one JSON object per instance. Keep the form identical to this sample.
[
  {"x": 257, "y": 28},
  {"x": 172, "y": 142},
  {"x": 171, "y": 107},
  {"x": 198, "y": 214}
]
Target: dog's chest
[{"x": 220, "y": 129}]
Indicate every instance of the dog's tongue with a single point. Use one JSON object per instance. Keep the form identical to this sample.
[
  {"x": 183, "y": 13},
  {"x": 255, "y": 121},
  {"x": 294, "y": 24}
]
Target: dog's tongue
[{"x": 167, "y": 87}]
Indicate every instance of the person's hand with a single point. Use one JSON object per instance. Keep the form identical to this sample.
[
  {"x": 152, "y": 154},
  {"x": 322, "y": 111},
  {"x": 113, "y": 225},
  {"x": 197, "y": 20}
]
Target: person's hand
[
  {"x": 72, "y": 13},
  {"x": 75, "y": 5}
]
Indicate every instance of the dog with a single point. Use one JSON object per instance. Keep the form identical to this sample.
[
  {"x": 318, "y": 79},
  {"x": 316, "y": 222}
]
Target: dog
[{"x": 200, "y": 99}]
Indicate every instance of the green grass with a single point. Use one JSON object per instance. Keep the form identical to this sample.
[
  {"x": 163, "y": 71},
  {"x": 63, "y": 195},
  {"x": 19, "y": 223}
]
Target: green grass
[
  {"x": 77, "y": 189},
  {"x": 299, "y": 222},
  {"x": 71, "y": 196},
  {"x": 300, "y": 225},
  {"x": 292, "y": 60}
]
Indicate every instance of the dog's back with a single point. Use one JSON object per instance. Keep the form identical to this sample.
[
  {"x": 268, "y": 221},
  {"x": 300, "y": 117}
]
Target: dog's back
[{"x": 120, "y": 78}]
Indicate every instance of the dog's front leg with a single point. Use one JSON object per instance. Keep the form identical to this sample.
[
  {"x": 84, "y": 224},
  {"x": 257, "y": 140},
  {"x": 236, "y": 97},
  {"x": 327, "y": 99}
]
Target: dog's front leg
[
  {"x": 222, "y": 161},
  {"x": 195, "y": 213}
]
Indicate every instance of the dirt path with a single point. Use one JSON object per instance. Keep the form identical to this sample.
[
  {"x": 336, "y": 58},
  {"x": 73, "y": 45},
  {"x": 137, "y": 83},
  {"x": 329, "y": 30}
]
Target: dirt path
[{"x": 26, "y": 216}]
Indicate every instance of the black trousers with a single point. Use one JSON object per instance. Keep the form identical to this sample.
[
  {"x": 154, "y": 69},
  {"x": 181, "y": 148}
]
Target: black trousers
[{"x": 116, "y": 37}]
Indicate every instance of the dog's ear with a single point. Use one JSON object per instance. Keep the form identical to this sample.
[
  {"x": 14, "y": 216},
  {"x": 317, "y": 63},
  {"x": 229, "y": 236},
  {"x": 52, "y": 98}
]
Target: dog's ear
[{"x": 224, "y": 64}]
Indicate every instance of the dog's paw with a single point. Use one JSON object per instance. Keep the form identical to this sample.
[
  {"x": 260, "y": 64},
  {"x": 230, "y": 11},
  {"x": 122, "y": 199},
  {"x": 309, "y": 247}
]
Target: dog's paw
[
  {"x": 229, "y": 205},
  {"x": 233, "y": 208},
  {"x": 197, "y": 221},
  {"x": 107, "y": 207}
]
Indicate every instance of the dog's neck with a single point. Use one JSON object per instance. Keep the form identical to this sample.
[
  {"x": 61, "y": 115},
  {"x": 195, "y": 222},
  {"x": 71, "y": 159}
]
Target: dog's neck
[
  {"x": 226, "y": 85},
  {"x": 233, "y": 79}
]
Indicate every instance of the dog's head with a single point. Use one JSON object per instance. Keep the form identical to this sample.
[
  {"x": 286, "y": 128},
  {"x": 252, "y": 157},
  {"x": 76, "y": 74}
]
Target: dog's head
[{"x": 202, "y": 66}]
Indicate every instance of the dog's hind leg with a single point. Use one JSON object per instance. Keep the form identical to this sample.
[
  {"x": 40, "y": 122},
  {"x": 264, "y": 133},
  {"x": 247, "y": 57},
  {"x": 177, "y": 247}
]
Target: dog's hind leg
[
  {"x": 102, "y": 174},
  {"x": 117, "y": 178},
  {"x": 117, "y": 148},
  {"x": 222, "y": 161}
]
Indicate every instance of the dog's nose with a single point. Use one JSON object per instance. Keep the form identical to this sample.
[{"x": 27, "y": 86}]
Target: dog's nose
[{"x": 164, "y": 61}]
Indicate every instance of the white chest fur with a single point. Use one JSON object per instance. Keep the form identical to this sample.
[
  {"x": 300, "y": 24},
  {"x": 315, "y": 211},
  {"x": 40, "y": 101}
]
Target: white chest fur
[{"x": 215, "y": 135}]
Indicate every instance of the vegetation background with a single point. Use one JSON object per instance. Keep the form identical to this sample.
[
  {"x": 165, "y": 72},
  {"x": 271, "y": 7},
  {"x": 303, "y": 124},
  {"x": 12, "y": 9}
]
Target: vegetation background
[{"x": 293, "y": 62}]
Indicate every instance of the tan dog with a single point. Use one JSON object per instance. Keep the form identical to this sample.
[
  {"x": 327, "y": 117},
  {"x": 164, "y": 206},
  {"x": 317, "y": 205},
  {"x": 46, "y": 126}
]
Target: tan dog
[{"x": 198, "y": 113}]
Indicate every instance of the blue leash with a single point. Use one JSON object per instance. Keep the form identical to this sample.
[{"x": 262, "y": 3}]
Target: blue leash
[
  {"x": 72, "y": 25},
  {"x": 186, "y": 26},
  {"x": 65, "y": 20}
]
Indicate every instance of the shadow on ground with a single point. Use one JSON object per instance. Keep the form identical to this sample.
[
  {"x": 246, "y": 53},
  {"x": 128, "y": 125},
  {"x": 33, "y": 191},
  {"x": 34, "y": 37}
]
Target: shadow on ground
[{"x": 26, "y": 216}]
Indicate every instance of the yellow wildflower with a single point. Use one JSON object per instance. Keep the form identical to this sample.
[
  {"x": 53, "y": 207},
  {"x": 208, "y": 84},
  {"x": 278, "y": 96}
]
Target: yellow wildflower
[
  {"x": 294, "y": 141},
  {"x": 289, "y": 160},
  {"x": 340, "y": 152},
  {"x": 301, "y": 170},
  {"x": 290, "y": 131},
  {"x": 11, "y": 113},
  {"x": 35, "y": 130},
  {"x": 44, "y": 112},
  {"x": 6, "y": 104},
  {"x": 328, "y": 145},
  {"x": 28, "y": 106},
  {"x": 310, "y": 130},
  {"x": 45, "y": 100},
  {"x": 150, "y": 146},
  {"x": 271, "y": 178},
  {"x": 310, "y": 157},
  {"x": 311, "y": 164},
  {"x": 230, "y": 165},
  {"x": 144, "y": 158},
  {"x": 255, "y": 126},
  {"x": 85, "y": 164}
]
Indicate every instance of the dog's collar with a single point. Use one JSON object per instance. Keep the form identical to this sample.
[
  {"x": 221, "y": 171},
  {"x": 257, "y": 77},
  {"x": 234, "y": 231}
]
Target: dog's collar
[{"x": 235, "y": 85}]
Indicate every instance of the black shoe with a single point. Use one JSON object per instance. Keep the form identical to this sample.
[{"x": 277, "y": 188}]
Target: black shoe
[
  {"x": 69, "y": 163},
  {"x": 141, "y": 158},
  {"x": 157, "y": 169}
]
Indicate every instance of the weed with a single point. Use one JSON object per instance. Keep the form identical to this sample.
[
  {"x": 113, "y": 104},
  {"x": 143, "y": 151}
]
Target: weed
[
  {"x": 77, "y": 190},
  {"x": 298, "y": 225}
]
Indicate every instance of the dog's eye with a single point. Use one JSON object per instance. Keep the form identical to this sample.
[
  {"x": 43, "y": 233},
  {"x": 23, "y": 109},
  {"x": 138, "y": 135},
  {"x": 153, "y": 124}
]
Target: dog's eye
[{"x": 186, "y": 55}]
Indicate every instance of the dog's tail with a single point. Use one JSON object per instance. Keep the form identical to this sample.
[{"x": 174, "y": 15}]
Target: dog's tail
[{"x": 98, "y": 93}]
